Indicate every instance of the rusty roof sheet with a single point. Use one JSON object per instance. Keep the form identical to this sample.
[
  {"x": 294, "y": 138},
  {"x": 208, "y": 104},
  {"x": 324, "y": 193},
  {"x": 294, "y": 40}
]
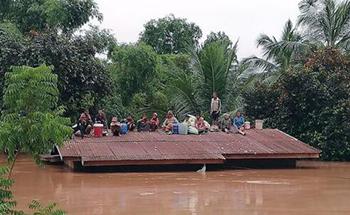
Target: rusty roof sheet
[{"x": 157, "y": 146}]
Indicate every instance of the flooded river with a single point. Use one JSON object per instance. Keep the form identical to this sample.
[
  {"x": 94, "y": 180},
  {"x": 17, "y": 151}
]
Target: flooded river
[{"x": 319, "y": 190}]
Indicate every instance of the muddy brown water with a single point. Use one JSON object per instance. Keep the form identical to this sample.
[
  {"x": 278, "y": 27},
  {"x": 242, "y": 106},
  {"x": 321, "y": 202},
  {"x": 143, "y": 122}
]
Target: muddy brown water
[{"x": 321, "y": 189}]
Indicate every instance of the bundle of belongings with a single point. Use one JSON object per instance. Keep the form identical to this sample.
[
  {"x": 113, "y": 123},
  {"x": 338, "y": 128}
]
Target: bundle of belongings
[{"x": 195, "y": 124}]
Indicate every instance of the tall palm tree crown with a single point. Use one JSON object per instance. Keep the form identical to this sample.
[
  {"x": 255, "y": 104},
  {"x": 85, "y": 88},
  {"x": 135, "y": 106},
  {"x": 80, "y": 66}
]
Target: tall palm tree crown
[
  {"x": 326, "y": 22},
  {"x": 277, "y": 54}
]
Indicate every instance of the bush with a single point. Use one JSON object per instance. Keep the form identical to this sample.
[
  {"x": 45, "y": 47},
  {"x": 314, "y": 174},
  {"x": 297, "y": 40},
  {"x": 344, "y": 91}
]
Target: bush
[{"x": 312, "y": 104}]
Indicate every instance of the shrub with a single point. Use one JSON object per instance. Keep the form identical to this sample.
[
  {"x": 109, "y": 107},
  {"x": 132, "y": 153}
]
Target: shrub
[{"x": 312, "y": 104}]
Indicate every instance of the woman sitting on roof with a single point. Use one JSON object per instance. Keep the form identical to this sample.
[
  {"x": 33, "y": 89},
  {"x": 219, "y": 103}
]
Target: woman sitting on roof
[
  {"x": 131, "y": 123},
  {"x": 143, "y": 123},
  {"x": 85, "y": 123},
  {"x": 169, "y": 122},
  {"x": 238, "y": 123},
  {"x": 101, "y": 118},
  {"x": 200, "y": 124},
  {"x": 154, "y": 122},
  {"x": 115, "y": 126}
]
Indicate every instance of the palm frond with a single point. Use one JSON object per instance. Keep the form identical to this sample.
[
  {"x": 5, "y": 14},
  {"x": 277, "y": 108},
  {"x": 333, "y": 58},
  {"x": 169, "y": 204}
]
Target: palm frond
[{"x": 256, "y": 64}]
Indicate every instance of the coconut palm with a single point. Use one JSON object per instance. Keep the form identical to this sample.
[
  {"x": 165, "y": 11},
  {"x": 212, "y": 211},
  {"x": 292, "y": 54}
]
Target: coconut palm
[
  {"x": 277, "y": 54},
  {"x": 326, "y": 22},
  {"x": 212, "y": 71}
]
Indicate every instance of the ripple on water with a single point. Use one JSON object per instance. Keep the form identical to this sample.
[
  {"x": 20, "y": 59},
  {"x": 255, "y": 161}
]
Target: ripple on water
[{"x": 146, "y": 194}]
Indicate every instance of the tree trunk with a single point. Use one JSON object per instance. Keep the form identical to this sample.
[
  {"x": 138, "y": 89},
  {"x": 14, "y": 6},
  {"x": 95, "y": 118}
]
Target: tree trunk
[{"x": 12, "y": 165}]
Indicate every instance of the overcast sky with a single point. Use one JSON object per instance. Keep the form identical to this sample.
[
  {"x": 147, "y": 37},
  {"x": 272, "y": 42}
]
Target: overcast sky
[{"x": 243, "y": 19}]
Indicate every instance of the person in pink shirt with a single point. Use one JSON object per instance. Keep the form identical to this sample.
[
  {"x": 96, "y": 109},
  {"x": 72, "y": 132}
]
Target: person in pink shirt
[
  {"x": 154, "y": 122},
  {"x": 200, "y": 124}
]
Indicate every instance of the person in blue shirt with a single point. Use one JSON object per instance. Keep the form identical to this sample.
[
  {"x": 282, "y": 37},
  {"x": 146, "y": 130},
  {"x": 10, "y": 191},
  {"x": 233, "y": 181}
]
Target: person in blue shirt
[{"x": 238, "y": 123}]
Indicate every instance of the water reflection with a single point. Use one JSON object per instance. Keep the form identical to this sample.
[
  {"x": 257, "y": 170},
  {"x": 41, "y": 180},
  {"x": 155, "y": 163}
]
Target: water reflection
[{"x": 294, "y": 191}]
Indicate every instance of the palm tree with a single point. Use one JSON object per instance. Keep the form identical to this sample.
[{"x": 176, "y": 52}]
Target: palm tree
[
  {"x": 326, "y": 22},
  {"x": 212, "y": 71},
  {"x": 277, "y": 54}
]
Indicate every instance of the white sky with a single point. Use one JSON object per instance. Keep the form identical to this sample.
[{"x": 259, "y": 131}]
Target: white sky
[{"x": 243, "y": 19}]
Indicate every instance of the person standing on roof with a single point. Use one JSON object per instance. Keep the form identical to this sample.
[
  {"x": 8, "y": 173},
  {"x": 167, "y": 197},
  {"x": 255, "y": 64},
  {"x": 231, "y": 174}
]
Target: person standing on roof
[{"x": 215, "y": 108}]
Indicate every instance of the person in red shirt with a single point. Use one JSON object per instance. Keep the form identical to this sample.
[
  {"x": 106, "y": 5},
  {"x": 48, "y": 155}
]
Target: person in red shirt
[
  {"x": 154, "y": 122},
  {"x": 200, "y": 124}
]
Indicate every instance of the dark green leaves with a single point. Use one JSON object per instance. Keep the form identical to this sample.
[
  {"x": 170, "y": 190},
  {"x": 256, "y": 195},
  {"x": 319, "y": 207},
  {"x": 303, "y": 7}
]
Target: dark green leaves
[{"x": 171, "y": 35}]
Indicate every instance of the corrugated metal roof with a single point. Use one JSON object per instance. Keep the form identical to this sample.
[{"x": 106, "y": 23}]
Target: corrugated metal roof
[{"x": 214, "y": 147}]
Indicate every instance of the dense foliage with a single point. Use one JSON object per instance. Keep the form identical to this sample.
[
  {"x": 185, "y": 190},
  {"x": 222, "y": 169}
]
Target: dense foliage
[
  {"x": 311, "y": 103},
  {"x": 33, "y": 16},
  {"x": 171, "y": 35},
  {"x": 135, "y": 67},
  {"x": 81, "y": 75},
  {"x": 31, "y": 120}
]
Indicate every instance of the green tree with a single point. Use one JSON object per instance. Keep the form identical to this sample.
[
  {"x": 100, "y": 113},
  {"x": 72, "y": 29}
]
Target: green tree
[
  {"x": 171, "y": 35},
  {"x": 80, "y": 72},
  {"x": 12, "y": 45},
  {"x": 135, "y": 67},
  {"x": 30, "y": 123},
  {"x": 312, "y": 103},
  {"x": 219, "y": 36},
  {"x": 31, "y": 120},
  {"x": 53, "y": 15},
  {"x": 326, "y": 22},
  {"x": 213, "y": 69},
  {"x": 278, "y": 55}
]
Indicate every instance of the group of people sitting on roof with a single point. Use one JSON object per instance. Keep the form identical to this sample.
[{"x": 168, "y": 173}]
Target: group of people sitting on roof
[{"x": 191, "y": 124}]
